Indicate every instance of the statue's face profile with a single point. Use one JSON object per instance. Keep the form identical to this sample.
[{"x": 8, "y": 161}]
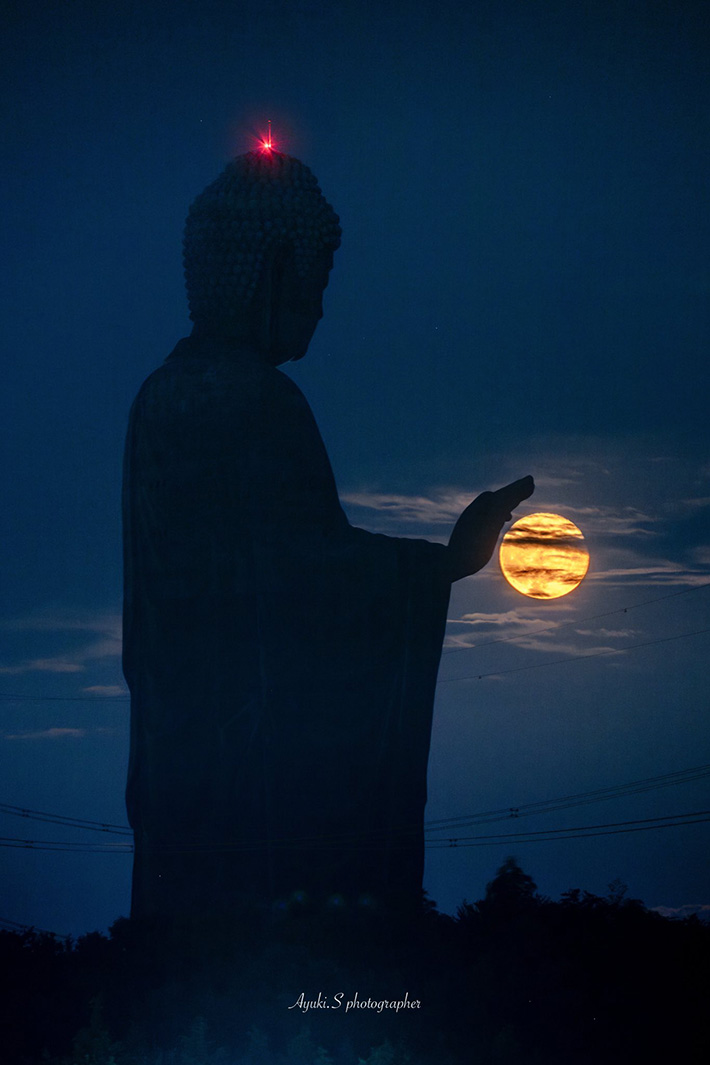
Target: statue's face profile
[{"x": 296, "y": 308}]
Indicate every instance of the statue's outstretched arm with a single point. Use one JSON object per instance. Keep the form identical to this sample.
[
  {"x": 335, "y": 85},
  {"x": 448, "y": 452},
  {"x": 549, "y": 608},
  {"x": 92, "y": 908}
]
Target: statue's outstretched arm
[{"x": 476, "y": 532}]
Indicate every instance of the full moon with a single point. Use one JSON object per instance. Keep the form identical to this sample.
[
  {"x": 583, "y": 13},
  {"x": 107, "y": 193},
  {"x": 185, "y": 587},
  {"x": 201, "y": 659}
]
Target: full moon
[{"x": 543, "y": 556}]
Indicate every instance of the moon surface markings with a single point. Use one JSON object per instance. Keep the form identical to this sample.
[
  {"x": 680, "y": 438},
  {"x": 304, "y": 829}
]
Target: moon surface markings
[{"x": 544, "y": 556}]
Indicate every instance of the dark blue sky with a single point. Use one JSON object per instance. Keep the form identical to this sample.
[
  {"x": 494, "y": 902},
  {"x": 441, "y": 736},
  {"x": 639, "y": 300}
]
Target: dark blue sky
[{"x": 522, "y": 287}]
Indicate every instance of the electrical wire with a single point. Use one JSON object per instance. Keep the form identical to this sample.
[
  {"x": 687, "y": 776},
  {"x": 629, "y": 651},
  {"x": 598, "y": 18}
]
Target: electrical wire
[
  {"x": 125, "y": 697},
  {"x": 15, "y": 926},
  {"x": 60, "y": 819},
  {"x": 573, "y": 658},
  {"x": 583, "y": 832},
  {"x": 566, "y": 802},
  {"x": 546, "y": 835},
  {"x": 63, "y": 845},
  {"x": 573, "y": 621},
  {"x": 634, "y": 787}
]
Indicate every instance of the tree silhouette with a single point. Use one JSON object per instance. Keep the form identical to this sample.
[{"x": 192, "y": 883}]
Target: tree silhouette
[{"x": 510, "y": 891}]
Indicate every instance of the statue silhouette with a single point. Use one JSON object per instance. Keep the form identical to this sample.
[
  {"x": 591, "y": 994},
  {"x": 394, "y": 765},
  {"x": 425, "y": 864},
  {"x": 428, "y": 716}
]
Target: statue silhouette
[{"x": 281, "y": 663}]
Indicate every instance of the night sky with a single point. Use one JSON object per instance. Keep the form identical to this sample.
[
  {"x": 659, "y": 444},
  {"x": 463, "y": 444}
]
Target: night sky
[{"x": 522, "y": 287}]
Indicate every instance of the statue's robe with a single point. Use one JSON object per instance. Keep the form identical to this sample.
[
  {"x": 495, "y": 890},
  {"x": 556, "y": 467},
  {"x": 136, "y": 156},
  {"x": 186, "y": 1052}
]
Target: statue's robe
[{"x": 281, "y": 663}]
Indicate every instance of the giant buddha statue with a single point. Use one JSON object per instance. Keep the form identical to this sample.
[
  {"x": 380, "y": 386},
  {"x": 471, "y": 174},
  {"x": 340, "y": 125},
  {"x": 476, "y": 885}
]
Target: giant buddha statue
[{"x": 281, "y": 662}]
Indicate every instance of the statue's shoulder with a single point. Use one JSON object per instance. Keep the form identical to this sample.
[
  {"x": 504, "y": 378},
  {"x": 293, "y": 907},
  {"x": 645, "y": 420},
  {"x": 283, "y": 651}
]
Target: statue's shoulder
[
  {"x": 208, "y": 376},
  {"x": 168, "y": 371}
]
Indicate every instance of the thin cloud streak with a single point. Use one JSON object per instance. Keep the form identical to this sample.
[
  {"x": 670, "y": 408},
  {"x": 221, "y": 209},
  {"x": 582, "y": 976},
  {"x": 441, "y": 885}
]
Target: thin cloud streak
[
  {"x": 109, "y": 691},
  {"x": 701, "y": 910},
  {"x": 527, "y": 633},
  {"x": 444, "y": 505},
  {"x": 108, "y": 623},
  {"x": 495, "y": 620},
  {"x": 610, "y": 521},
  {"x": 43, "y": 665},
  {"x": 544, "y": 642},
  {"x": 660, "y": 575},
  {"x": 425, "y": 511},
  {"x": 611, "y": 634},
  {"x": 49, "y": 734},
  {"x": 109, "y": 644},
  {"x": 523, "y": 632},
  {"x": 57, "y": 733},
  {"x": 696, "y": 503}
]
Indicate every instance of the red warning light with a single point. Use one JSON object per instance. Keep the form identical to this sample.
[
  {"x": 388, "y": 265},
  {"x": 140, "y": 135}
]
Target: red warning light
[{"x": 267, "y": 143}]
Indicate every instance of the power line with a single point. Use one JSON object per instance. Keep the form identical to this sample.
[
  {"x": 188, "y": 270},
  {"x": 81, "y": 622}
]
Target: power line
[
  {"x": 574, "y": 658},
  {"x": 125, "y": 697},
  {"x": 578, "y": 832},
  {"x": 545, "y": 835},
  {"x": 447, "y": 680},
  {"x": 633, "y": 787},
  {"x": 65, "y": 845},
  {"x": 60, "y": 819},
  {"x": 575, "y": 621},
  {"x": 566, "y": 802},
  {"x": 15, "y": 926},
  {"x": 672, "y": 821}
]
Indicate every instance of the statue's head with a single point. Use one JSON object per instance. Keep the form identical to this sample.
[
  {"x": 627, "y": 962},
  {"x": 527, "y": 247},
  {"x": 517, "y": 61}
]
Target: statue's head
[{"x": 258, "y": 247}]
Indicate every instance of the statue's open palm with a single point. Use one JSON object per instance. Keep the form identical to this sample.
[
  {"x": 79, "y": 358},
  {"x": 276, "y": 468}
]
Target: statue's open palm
[{"x": 476, "y": 532}]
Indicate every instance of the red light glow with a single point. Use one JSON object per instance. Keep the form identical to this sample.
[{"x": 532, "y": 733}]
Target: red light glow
[
  {"x": 263, "y": 142},
  {"x": 267, "y": 143}
]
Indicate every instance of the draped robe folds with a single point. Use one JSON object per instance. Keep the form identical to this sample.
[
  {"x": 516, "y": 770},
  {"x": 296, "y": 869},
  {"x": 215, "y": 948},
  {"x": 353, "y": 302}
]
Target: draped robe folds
[{"x": 281, "y": 662}]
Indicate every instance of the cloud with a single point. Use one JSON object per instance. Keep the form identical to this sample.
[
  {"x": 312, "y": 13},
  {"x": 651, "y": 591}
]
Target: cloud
[
  {"x": 548, "y": 481},
  {"x": 49, "y": 734},
  {"x": 544, "y": 642},
  {"x": 64, "y": 620},
  {"x": 60, "y": 734},
  {"x": 611, "y": 634},
  {"x": 700, "y": 909},
  {"x": 443, "y": 505},
  {"x": 698, "y": 503},
  {"x": 530, "y": 634},
  {"x": 43, "y": 665},
  {"x": 481, "y": 628},
  {"x": 657, "y": 573},
  {"x": 610, "y": 521},
  {"x": 507, "y": 617},
  {"x": 442, "y": 508},
  {"x": 107, "y": 643},
  {"x": 109, "y": 691}
]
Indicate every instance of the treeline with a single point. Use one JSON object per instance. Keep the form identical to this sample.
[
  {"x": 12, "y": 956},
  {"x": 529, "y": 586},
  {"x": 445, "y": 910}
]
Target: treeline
[{"x": 513, "y": 978}]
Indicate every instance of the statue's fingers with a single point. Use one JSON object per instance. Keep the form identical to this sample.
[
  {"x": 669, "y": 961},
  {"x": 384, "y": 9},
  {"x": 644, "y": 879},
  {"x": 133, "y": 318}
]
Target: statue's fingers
[{"x": 513, "y": 494}]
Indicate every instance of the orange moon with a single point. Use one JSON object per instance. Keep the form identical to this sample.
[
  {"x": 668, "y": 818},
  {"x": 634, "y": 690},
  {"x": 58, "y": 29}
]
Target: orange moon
[{"x": 543, "y": 556}]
